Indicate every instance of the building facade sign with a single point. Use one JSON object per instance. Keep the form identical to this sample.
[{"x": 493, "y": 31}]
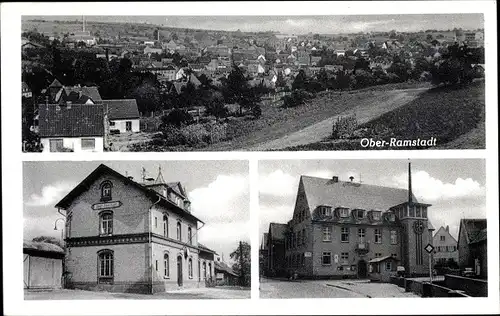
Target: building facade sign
[{"x": 102, "y": 206}]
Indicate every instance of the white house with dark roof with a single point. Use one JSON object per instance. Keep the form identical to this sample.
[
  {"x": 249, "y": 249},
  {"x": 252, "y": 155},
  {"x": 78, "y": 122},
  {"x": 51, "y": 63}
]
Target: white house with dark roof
[
  {"x": 71, "y": 127},
  {"x": 123, "y": 115}
]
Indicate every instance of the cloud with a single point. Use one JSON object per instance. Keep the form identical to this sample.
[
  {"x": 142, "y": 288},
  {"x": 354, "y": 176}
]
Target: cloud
[
  {"x": 325, "y": 174},
  {"x": 277, "y": 183},
  {"x": 224, "y": 238},
  {"x": 223, "y": 200},
  {"x": 432, "y": 189},
  {"x": 274, "y": 214},
  {"x": 50, "y": 194}
]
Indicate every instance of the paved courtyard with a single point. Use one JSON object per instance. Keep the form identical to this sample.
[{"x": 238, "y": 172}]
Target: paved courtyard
[
  {"x": 329, "y": 289},
  {"x": 199, "y": 293}
]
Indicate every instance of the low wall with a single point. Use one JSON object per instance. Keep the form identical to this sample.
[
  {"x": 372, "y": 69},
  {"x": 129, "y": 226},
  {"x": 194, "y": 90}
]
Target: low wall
[
  {"x": 472, "y": 287},
  {"x": 426, "y": 289}
]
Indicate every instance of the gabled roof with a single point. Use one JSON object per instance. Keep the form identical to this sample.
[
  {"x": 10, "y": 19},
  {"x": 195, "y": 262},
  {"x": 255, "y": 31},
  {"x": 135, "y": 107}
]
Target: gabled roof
[
  {"x": 41, "y": 246},
  {"x": 91, "y": 92},
  {"x": 55, "y": 84},
  {"x": 122, "y": 109},
  {"x": 222, "y": 266},
  {"x": 177, "y": 187},
  {"x": 77, "y": 121},
  {"x": 321, "y": 191},
  {"x": 442, "y": 229},
  {"x": 475, "y": 229},
  {"x": 66, "y": 201},
  {"x": 205, "y": 248},
  {"x": 277, "y": 231}
]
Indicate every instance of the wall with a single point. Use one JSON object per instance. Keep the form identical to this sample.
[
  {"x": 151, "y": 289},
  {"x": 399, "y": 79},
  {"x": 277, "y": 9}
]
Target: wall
[
  {"x": 122, "y": 126},
  {"x": 158, "y": 212},
  {"x": 445, "y": 251},
  {"x": 41, "y": 272},
  {"x": 472, "y": 287},
  {"x": 130, "y": 273},
  {"x": 74, "y": 143},
  {"x": 129, "y": 218},
  {"x": 336, "y": 247}
]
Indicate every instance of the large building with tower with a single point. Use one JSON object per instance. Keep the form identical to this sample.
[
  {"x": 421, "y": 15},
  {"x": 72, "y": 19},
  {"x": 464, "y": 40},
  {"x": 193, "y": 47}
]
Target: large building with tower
[
  {"x": 132, "y": 236},
  {"x": 346, "y": 229}
]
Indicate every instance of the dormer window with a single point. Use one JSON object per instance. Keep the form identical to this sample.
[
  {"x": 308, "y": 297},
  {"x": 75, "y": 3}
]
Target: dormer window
[
  {"x": 343, "y": 212},
  {"x": 359, "y": 214},
  {"x": 325, "y": 210},
  {"x": 106, "y": 187},
  {"x": 391, "y": 217},
  {"x": 376, "y": 215}
]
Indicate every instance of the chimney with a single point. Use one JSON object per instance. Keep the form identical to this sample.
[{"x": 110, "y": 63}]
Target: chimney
[
  {"x": 335, "y": 179},
  {"x": 447, "y": 228},
  {"x": 130, "y": 178}
]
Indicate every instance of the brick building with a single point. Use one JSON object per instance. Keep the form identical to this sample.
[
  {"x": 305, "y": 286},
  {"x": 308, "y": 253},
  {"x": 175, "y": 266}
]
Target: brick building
[
  {"x": 126, "y": 236},
  {"x": 338, "y": 228}
]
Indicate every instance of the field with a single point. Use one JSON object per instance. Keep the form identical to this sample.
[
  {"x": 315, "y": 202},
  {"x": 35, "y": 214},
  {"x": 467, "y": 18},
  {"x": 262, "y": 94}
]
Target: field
[{"x": 453, "y": 115}]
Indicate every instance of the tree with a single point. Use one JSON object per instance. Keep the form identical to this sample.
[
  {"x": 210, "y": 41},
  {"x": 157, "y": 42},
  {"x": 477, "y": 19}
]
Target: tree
[
  {"x": 49, "y": 240},
  {"x": 242, "y": 265},
  {"x": 215, "y": 106},
  {"x": 236, "y": 90},
  {"x": 300, "y": 81},
  {"x": 177, "y": 118}
]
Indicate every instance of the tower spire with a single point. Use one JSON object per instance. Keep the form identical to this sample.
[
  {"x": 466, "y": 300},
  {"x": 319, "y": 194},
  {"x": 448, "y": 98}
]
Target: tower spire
[{"x": 410, "y": 194}]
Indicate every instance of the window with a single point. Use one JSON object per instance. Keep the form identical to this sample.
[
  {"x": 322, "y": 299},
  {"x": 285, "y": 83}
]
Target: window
[
  {"x": 156, "y": 222},
  {"x": 128, "y": 125},
  {"x": 325, "y": 211},
  {"x": 105, "y": 267},
  {"x": 165, "y": 226},
  {"x": 304, "y": 236},
  {"x": 299, "y": 238},
  {"x": 111, "y": 123},
  {"x": 376, "y": 216},
  {"x": 190, "y": 268},
  {"x": 190, "y": 236},
  {"x": 156, "y": 265},
  {"x": 106, "y": 223},
  {"x": 106, "y": 187},
  {"x": 344, "y": 235},
  {"x": 394, "y": 255},
  {"x": 199, "y": 270},
  {"x": 378, "y": 254},
  {"x": 361, "y": 234},
  {"x": 327, "y": 258},
  {"x": 344, "y": 256},
  {"x": 394, "y": 237},
  {"x": 209, "y": 270},
  {"x": 327, "y": 233},
  {"x": 166, "y": 266},
  {"x": 56, "y": 145},
  {"x": 378, "y": 236},
  {"x": 418, "y": 212},
  {"x": 88, "y": 143},
  {"x": 68, "y": 226},
  {"x": 388, "y": 265},
  {"x": 442, "y": 238},
  {"x": 412, "y": 211},
  {"x": 344, "y": 212},
  {"x": 204, "y": 270},
  {"x": 179, "y": 231},
  {"x": 359, "y": 214}
]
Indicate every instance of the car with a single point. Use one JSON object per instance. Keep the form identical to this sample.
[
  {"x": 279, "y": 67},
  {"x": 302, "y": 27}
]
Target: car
[{"x": 468, "y": 272}]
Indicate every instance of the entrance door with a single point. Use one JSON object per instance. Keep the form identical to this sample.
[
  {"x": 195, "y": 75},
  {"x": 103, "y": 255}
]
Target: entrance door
[
  {"x": 362, "y": 269},
  {"x": 128, "y": 126},
  {"x": 179, "y": 270}
]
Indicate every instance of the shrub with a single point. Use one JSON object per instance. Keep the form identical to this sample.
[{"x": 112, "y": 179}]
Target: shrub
[
  {"x": 344, "y": 127},
  {"x": 195, "y": 135},
  {"x": 296, "y": 98},
  {"x": 172, "y": 136},
  {"x": 217, "y": 132},
  {"x": 177, "y": 117}
]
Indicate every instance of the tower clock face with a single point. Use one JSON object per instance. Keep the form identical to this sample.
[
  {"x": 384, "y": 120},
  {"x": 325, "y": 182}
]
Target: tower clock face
[{"x": 418, "y": 227}]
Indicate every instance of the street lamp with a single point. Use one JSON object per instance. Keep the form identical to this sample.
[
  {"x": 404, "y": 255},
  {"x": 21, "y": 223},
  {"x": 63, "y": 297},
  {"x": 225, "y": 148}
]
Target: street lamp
[{"x": 62, "y": 229}]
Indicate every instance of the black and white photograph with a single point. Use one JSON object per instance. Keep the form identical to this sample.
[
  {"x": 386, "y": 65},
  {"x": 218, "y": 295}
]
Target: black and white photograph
[
  {"x": 136, "y": 230},
  {"x": 373, "y": 228},
  {"x": 252, "y": 83}
]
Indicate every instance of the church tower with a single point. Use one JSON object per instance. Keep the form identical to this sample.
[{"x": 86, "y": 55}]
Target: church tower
[{"x": 416, "y": 232}]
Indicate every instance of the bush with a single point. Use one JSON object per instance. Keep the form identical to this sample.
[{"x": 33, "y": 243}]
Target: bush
[
  {"x": 296, "y": 98},
  {"x": 195, "y": 135},
  {"x": 171, "y": 136},
  {"x": 177, "y": 117},
  {"x": 217, "y": 132},
  {"x": 344, "y": 127}
]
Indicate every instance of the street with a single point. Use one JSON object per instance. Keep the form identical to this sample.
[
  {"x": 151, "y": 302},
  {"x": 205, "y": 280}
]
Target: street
[
  {"x": 197, "y": 293},
  {"x": 329, "y": 289}
]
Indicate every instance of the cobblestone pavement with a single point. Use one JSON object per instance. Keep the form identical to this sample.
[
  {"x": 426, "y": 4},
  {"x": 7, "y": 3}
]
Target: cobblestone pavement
[
  {"x": 201, "y": 293},
  {"x": 329, "y": 288}
]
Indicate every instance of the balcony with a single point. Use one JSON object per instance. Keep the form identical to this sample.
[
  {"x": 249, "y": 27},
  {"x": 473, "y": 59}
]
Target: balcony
[{"x": 362, "y": 247}]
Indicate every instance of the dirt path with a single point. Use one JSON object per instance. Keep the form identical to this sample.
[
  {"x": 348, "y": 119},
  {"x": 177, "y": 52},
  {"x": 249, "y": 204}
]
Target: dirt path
[{"x": 365, "y": 111}]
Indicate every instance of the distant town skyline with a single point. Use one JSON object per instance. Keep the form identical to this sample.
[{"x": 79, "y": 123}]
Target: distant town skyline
[{"x": 298, "y": 25}]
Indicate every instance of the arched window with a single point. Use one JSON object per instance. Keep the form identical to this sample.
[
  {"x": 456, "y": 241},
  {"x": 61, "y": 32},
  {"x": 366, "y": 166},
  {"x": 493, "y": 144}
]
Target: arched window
[
  {"x": 105, "y": 266},
  {"x": 166, "y": 266},
  {"x": 190, "y": 236},
  {"x": 179, "y": 231},
  {"x": 106, "y": 223},
  {"x": 209, "y": 270},
  {"x": 190, "y": 268},
  {"x": 165, "y": 226},
  {"x": 204, "y": 270},
  {"x": 106, "y": 187}
]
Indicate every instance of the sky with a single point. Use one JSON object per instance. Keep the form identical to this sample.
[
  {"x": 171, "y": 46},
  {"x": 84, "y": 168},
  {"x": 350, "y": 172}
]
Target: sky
[
  {"x": 218, "y": 191},
  {"x": 454, "y": 187},
  {"x": 331, "y": 24}
]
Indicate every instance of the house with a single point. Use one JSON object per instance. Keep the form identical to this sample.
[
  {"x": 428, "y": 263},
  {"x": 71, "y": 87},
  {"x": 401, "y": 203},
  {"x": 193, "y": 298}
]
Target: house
[
  {"x": 206, "y": 266},
  {"x": 26, "y": 91},
  {"x": 83, "y": 36},
  {"x": 445, "y": 246},
  {"x": 382, "y": 268},
  {"x": 56, "y": 93},
  {"x": 276, "y": 265},
  {"x": 224, "y": 274},
  {"x": 472, "y": 246},
  {"x": 148, "y": 50},
  {"x": 42, "y": 265},
  {"x": 124, "y": 235},
  {"x": 123, "y": 115},
  {"x": 339, "y": 227},
  {"x": 71, "y": 127}
]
